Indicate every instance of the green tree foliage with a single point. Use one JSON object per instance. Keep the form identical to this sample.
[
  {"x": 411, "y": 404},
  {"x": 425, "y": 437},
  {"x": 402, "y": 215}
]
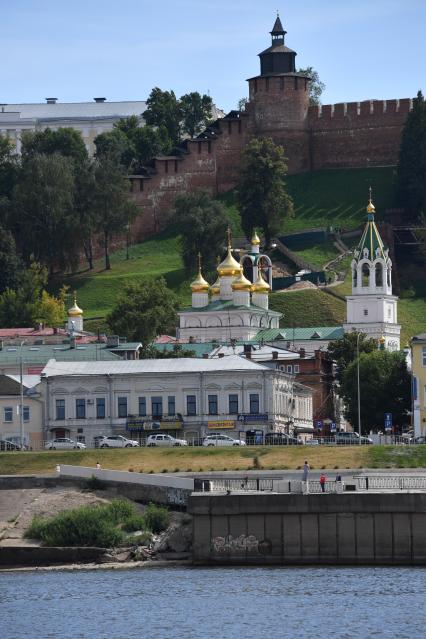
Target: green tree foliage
[
  {"x": 151, "y": 352},
  {"x": 196, "y": 112},
  {"x": 11, "y": 266},
  {"x": 412, "y": 161},
  {"x": 115, "y": 146},
  {"x": 29, "y": 303},
  {"x": 64, "y": 141},
  {"x": 344, "y": 350},
  {"x": 144, "y": 310},
  {"x": 385, "y": 387},
  {"x": 202, "y": 223},
  {"x": 9, "y": 169},
  {"x": 84, "y": 207},
  {"x": 164, "y": 109},
  {"x": 113, "y": 207},
  {"x": 42, "y": 205},
  {"x": 316, "y": 87},
  {"x": 262, "y": 197}
]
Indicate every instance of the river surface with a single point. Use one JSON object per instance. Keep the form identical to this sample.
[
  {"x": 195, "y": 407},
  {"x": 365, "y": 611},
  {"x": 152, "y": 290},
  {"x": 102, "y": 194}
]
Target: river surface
[{"x": 214, "y": 603}]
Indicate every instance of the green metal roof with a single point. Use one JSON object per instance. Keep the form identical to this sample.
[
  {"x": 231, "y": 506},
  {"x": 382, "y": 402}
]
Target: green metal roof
[
  {"x": 41, "y": 354},
  {"x": 221, "y": 305},
  {"x": 371, "y": 241},
  {"x": 305, "y": 333},
  {"x": 126, "y": 346}
]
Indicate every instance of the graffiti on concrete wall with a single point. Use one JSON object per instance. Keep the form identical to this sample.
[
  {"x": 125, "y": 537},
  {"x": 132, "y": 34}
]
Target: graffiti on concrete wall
[
  {"x": 238, "y": 544},
  {"x": 177, "y": 496}
]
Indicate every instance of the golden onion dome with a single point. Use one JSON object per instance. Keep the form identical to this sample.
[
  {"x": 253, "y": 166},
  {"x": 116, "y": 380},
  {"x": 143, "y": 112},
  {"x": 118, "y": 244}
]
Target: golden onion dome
[
  {"x": 241, "y": 283},
  {"x": 370, "y": 206},
  {"x": 75, "y": 310},
  {"x": 199, "y": 285},
  {"x": 255, "y": 241},
  {"x": 215, "y": 288},
  {"x": 229, "y": 267},
  {"x": 382, "y": 339},
  {"x": 260, "y": 285}
]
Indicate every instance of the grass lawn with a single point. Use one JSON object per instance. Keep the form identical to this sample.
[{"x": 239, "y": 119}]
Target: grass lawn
[
  {"x": 318, "y": 255},
  {"x": 201, "y": 459},
  {"x": 308, "y": 307}
]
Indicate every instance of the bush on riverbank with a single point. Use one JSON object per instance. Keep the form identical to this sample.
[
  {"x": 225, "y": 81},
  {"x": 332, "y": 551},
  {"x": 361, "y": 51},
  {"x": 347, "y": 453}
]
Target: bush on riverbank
[{"x": 104, "y": 526}]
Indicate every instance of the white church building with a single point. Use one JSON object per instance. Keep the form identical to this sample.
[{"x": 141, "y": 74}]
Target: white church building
[{"x": 372, "y": 308}]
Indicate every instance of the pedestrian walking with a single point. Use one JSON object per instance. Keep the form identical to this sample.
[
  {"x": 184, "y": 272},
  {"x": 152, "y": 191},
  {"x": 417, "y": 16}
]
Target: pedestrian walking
[
  {"x": 322, "y": 481},
  {"x": 305, "y": 477},
  {"x": 98, "y": 466}
]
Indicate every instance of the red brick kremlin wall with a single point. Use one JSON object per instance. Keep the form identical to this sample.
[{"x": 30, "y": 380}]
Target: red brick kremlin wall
[{"x": 332, "y": 136}]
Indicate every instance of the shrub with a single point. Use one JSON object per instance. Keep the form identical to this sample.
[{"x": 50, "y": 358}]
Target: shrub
[
  {"x": 157, "y": 518},
  {"x": 94, "y": 483},
  {"x": 256, "y": 462},
  {"x": 134, "y": 522},
  {"x": 142, "y": 539},
  {"x": 120, "y": 510}
]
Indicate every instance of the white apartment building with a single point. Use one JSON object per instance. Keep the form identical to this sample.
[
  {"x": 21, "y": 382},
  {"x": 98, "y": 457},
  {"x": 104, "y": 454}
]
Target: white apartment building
[{"x": 187, "y": 397}]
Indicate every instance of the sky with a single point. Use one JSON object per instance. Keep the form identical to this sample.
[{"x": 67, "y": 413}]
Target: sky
[{"x": 78, "y": 50}]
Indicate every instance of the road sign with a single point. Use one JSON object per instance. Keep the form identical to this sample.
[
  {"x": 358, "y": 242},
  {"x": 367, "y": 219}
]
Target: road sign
[
  {"x": 388, "y": 421},
  {"x": 333, "y": 426}
]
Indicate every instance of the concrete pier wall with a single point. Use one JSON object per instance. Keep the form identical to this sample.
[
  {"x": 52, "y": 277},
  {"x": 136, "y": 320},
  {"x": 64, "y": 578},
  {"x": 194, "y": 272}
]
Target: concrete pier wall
[{"x": 309, "y": 529}]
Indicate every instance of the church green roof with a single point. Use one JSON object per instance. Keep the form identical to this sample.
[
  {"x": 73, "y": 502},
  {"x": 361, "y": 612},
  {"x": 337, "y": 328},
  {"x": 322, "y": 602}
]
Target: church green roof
[{"x": 371, "y": 241}]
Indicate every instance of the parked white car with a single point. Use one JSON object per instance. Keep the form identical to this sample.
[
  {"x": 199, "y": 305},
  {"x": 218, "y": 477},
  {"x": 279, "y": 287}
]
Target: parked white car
[
  {"x": 63, "y": 443},
  {"x": 161, "y": 439},
  {"x": 117, "y": 441},
  {"x": 217, "y": 439}
]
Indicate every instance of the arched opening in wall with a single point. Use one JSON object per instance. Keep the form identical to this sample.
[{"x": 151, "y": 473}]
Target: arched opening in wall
[
  {"x": 264, "y": 266},
  {"x": 379, "y": 274},
  {"x": 365, "y": 275},
  {"x": 389, "y": 277},
  {"x": 248, "y": 268},
  {"x": 355, "y": 277}
]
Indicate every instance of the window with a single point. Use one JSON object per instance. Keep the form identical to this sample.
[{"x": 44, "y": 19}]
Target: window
[
  {"x": 8, "y": 414},
  {"x": 233, "y": 404},
  {"x": 60, "y": 409},
  {"x": 171, "y": 405},
  {"x": 365, "y": 311},
  {"x": 80, "y": 408},
  {"x": 254, "y": 403},
  {"x": 100, "y": 407},
  {"x": 191, "y": 405},
  {"x": 157, "y": 406},
  {"x": 296, "y": 368},
  {"x": 26, "y": 414},
  {"x": 142, "y": 406},
  {"x": 379, "y": 275},
  {"x": 424, "y": 355},
  {"x": 122, "y": 406},
  {"x": 212, "y": 400},
  {"x": 289, "y": 368},
  {"x": 365, "y": 275}
]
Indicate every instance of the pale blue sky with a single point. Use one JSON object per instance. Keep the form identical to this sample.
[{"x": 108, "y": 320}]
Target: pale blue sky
[{"x": 77, "y": 50}]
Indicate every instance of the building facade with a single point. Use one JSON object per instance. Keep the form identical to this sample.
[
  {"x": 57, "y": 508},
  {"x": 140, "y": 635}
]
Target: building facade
[
  {"x": 10, "y": 406},
  {"x": 184, "y": 397},
  {"x": 418, "y": 368}
]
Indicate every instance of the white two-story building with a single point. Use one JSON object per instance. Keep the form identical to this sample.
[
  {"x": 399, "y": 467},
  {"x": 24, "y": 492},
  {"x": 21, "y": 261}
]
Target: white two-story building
[{"x": 188, "y": 397}]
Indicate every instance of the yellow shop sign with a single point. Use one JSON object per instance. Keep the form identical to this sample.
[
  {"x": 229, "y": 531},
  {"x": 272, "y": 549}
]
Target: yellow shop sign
[{"x": 229, "y": 423}]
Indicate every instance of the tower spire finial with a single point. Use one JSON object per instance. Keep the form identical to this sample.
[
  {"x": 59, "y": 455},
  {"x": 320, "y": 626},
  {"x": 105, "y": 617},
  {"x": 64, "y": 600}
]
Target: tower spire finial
[
  {"x": 228, "y": 231},
  {"x": 370, "y": 207},
  {"x": 199, "y": 261}
]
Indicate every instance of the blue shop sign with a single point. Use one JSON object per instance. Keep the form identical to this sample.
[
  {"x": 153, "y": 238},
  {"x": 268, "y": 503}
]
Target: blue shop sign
[{"x": 253, "y": 417}]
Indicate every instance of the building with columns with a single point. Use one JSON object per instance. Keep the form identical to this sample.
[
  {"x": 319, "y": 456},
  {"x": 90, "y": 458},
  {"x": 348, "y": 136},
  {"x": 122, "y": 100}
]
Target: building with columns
[
  {"x": 232, "y": 308},
  {"x": 372, "y": 308}
]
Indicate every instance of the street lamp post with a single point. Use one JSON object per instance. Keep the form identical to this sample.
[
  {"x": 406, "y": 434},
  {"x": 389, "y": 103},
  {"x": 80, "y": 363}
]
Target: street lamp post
[
  {"x": 359, "y": 392},
  {"x": 21, "y": 406}
]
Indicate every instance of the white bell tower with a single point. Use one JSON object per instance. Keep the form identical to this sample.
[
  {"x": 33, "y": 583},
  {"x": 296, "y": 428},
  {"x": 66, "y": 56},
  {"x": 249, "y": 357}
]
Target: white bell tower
[{"x": 372, "y": 309}]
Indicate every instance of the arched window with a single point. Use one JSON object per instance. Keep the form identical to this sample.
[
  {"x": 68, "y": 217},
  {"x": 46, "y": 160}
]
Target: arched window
[
  {"x": 365, "y": 275},
  {"x": 379, "y": 274},
  {"x": 389, "y": 277},
  {"x": 355, "y": 277},
  {"x": 248, "y": 269}
]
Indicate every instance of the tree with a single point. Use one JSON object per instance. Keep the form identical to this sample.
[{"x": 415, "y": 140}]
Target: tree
[
  {"x": 242, "y": 104},
  {"x": 11, "y": 266},
  {"x": 262, "y": 197},
  {"x": 196, "y": 112},
  {"x": 84, "y": 207},
  {"x": 149, "y": 141},
  {"x": 344, "y": 350},
  {"x": 64, "y": 141},
  {"x": 202, "y": 223},
  {"x": 164, "y": 109},
  {"x": 316, "y": 87},
  {"x": 112, "y": 206},
  {"x": 9, "y": 168},
  {"x": 115, "y": 146},
  {"x": 385, "y": 387},
  {"x": 50, "y": 310},
  {"x": 144, "y": 310},
  {"x": 178, "y": 351},
  {"x": 42, "y": 205},
  {"x": 412, "y": 161}
]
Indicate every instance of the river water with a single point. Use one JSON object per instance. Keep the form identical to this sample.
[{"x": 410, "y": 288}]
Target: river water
[{"x": 214, "y": 603}]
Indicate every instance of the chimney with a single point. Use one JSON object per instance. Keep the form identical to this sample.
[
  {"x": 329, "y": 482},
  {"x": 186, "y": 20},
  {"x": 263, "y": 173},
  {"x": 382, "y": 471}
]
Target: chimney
[
  {"x": 51, "y": 100},
  {"x": 274, "y": 354},
  {"x": 99, "y": 100},
  {"x": 302, "y": 352}
]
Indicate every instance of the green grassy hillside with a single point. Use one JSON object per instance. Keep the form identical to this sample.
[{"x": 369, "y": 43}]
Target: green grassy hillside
[{"x": 308, "y": 307}]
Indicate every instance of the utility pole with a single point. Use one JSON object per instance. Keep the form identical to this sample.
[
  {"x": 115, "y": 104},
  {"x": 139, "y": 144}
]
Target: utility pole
[
  {"x": 359, "y": 393},
  {"x": 21, "y": 407}
]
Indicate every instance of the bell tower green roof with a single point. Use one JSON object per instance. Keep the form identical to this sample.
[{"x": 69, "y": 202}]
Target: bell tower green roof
[{"x": 370, "y": 238}]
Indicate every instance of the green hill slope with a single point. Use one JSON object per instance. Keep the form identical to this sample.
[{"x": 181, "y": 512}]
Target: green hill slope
[{"x": 308, "y": 307}]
